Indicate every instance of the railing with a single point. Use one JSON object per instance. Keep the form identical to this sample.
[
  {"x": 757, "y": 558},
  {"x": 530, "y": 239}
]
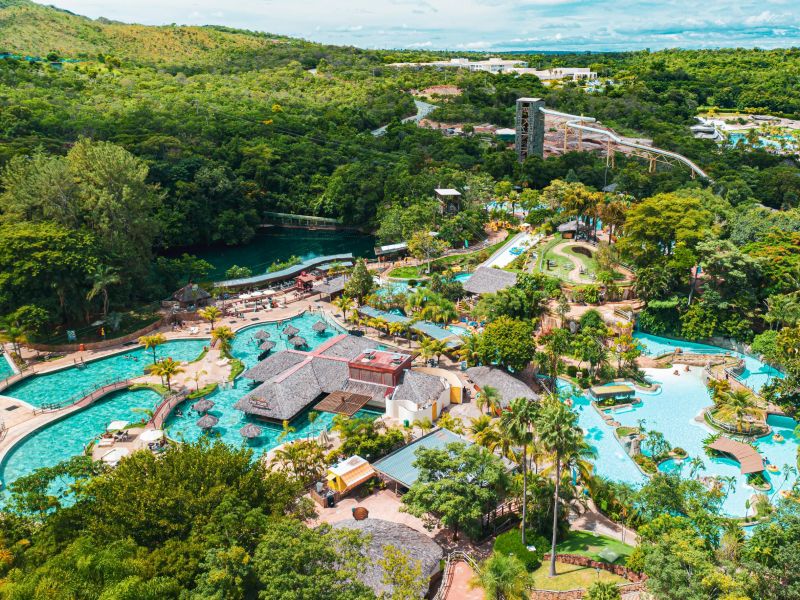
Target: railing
[
  {"x": 164, "y": 409},
  {"x": 447, "y": 574},
  {"x": 85, "y": 397}
]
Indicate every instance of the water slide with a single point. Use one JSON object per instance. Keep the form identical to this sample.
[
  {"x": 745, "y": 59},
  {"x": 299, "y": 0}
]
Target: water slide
[{"x": 576, "y": 122}]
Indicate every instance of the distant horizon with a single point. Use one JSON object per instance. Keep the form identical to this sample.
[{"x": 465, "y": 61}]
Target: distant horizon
[{"x": 562, "y": 26}]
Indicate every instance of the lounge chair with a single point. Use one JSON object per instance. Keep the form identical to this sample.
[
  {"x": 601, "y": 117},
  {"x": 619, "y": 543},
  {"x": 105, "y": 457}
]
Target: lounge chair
[
  {"x": 105, "y": 441},
  {"x": 194, "y": 330}
]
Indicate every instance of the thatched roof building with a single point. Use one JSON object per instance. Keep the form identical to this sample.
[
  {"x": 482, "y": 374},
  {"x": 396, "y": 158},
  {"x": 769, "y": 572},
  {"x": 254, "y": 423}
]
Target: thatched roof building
[
  {"x": 290, "y": 330},
  {"x": 207, "y": 421},
  {"x": 261, "y": 334},
  {"x": 250, "y": 431},
  {"x": 191, "y": 294},
  {"x": 298, "y": 341},
  {"x": 203, "y": 406},
  {"x": 380, "y": 533},
  {"x": 488, "y": 280},
  {"x": 419, "y": 389},
  {"x": 266, "y": 345},
  {"x": 508, "y": 386},
  {"x": 320, "y": 326}
]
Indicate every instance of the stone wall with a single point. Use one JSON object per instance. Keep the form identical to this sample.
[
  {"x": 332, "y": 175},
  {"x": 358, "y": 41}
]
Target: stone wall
[
  {"x": 98, "y": 345},
  {"x": 637, "y": 580}
]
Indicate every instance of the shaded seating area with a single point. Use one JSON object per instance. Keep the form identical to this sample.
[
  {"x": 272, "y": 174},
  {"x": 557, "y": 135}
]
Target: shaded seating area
[
  {"x": 603, "y": 392},
  {"x": 343, "y": 402},
  {"x": 750, "y": 461},
  {"x": 508, "y": 386},
  {"x": 425, "y": 327},
  {"x": 349, "y": 474},
  {"x": 488, "y": 280}
]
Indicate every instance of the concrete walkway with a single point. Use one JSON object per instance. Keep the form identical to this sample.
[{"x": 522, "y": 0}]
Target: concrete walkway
[
  {"x": 460, "y": 589},
  {"x": 593, "y": 521}
]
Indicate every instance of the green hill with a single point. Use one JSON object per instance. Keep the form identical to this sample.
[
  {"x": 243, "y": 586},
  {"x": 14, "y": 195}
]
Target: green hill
[{"x": 36, "y": 30}]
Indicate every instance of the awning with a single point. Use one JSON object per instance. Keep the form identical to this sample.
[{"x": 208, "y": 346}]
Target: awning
[
  {"x": 117, "y": 425},
  {"x": 151, "y": 435}
]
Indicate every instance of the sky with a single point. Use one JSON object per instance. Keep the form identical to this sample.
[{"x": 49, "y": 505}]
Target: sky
[{"x": 482, "y": 25}]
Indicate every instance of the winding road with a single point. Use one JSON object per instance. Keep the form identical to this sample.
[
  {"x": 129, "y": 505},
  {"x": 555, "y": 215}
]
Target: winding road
[{"x": 423, "y": 110}]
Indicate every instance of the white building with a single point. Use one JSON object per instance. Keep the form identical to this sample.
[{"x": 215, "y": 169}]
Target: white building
[
  {"x": 492, "y": 65},
  {"x": 559, "y": 73}
]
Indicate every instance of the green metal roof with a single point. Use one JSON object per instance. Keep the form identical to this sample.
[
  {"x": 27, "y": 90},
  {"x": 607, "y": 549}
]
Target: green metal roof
[{"x": 398, "y": 466}]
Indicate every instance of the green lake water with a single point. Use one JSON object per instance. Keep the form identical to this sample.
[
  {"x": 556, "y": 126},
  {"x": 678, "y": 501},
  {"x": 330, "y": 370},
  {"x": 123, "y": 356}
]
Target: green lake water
[{"x": 279, "y": 243}]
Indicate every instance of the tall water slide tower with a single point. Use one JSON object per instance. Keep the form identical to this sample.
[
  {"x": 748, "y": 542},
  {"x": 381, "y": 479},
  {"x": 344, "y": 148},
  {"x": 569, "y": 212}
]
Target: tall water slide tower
[{"x": 530, "y": 128}]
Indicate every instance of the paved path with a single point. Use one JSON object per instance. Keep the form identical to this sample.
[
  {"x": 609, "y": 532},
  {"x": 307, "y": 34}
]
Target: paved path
[
  {"x": 593, "y": 521},
  {"x": 575, "y": 274},
  {"x": 459, "y": 584}
]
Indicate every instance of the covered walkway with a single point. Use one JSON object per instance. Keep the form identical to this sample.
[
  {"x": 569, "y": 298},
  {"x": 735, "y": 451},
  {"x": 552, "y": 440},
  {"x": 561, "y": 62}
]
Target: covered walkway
[{"x": 749, "y": 459}]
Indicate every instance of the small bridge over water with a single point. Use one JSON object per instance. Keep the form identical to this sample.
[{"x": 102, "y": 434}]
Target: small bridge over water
[{"x": 304, "y": 221}]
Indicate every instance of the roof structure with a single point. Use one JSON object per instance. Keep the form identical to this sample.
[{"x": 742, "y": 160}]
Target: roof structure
[
  {"x": 488, "y": 280},
  {"x": 611, "y": 391},
  {"x": 274, "y": 365},
  {"x": 343, "y": 403},
  {"x": 332, "y": 286},
  {"x": 447, "y": 192},
  {"x": 380, "y": 533},
  {"x": 207, "y": 421},
  {"x": 572, "y": 225},
  {"x": 290, "y": 330},
  {"x": 418, "y": 389},
  {"x": 286, "y": 273},
  {"x": 508, "y": 386},
  {"x": 191, "y": 294},
  {"x": 344, "y": 346},
  {"x": 438, "y": 333},
  {"x": 399, "y": 465},
  {"x": 749, "y": 459},
  {"x": 353, "y": 471},
  {"x": 382, "y": 314}
]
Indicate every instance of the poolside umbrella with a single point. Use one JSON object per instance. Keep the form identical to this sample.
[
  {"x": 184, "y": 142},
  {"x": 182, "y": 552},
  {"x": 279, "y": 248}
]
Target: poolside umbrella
[
  {"x": 608, "y": 555},
  {"x": 320, "y": 326},
  {"x": 116, "y": 426},
  {"x": 266, "y": 345},
  {"x": 290, "y": 330},
  {"x": 250, "y": 431},
  {"x": 151, "y": 435},
  {"x": 203, "y": 405},
  {"x": 261, "y": 335},
  {"x": 298, "y": 342},
  {"x": 112, "y": 457},
  {"x": 207, "y": 421}
]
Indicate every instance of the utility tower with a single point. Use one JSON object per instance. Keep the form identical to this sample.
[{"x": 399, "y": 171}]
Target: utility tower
[{"x": 530, "y": 128}]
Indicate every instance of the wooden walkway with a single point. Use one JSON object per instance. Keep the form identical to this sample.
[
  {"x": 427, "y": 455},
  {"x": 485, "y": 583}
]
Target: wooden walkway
[{"x": 165, "y": 408}]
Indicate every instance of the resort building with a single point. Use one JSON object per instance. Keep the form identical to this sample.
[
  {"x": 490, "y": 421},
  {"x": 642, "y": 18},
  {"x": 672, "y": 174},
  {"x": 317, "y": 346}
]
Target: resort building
[
  {"x": 191, "y": 296},
  {"x": 508, "y": 386},
  {"x": 349, "y": 474},
  {"x": 416, "y": 545},
  {"x": 492, "y": 65},
  {"x": 558, "y": 73},
  {"x": 488, "y": 280},
  {"x": 398, "y": 467},
  {"x": 449, "y": 200},
  {"x": 343, "y": 376}
]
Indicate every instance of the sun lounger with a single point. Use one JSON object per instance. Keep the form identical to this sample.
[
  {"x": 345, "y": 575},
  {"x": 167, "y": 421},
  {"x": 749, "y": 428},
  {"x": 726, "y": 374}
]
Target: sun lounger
[
  {"x": 102, "y": 442},
  {"x": 194, "y": 330}
]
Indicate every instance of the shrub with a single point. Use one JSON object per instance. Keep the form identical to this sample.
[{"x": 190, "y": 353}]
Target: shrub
[
  {"x": 646, "y": 463},
  {"x": 572, "y": 370},
  {"x": 603, "y": 590},
  {"x": 510, "y": 543},
  {"x": 679, "y": 452}
]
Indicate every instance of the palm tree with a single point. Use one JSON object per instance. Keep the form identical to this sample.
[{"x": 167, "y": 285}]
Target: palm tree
[
  {"x": 437, "y": 348},
  {"x": 397, "y": 328},
  {"x": 483, "y": 431},
  {"x": 103, "y": 276},
  {"x": 166, "y": 369},
  {"x": 470, "y": 350},
  {"x": 559, "y": 435},
  {"x": 196, "y": 378},
  {"x": 503, "y": 578},
  {"x": 517, "y": 423},
  {"x": 151, "y": 342},
  {"x": 491, "y": 399},
  {"x": 223, "y": 336},
  {"x": 425, "y": 425},
  {"x": 448, "y": 421},
  {"x": 344, "y": 304},
  {"x": 696, "y": 465},
  {"x": 737, "y": 404},
  {"x": 14, "y": 334},
  {"x": 210, "y": 314}
]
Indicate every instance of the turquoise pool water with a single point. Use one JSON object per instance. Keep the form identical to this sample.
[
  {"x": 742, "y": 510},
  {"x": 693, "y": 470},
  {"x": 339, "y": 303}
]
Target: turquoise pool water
[
  {"x": 756, "y": 374},
  {"x": 5, "y": 366},
  {"x": 671, "y": 410},
  {"x": 462, "y": 332},
  {"x": 67, "y": 437},
  {"x": 71, "y": 383}
]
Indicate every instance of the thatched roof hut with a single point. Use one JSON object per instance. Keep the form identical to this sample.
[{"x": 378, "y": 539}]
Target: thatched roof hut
[
  {"x": 418, "y": 389},
  {"x": 207, "y": 421},
  {"x": 290, "y": 330},
  {"x": 298, "y": 342},
  {"x": 250, "y": 431},
  {"x": 380, "y": 533},
  {"x": 320, "y": 326},
  {"x": 508, "y": 386},
  {"x": 203, "y": 406},
  {"x": 191, "y": 294},
  {"x": 266, "y": 345},
  {"x": 488, "y": 280},
  {"x": 261, "y": 335}
]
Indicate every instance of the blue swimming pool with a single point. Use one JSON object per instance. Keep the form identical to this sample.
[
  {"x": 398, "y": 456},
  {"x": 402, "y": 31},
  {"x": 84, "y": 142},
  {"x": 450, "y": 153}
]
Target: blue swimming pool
[
  {"x": 71, "y": 383},
  {"x": 68, "y": 436},
  {"x": 755, "y": 375},
  {"x": 5, "y": 366},
  {"x": 672, "y": 411}
]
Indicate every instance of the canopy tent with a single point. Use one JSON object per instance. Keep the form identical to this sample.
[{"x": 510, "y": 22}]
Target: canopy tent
[
  {"x": 117, "y": 425},
  {"x": 298, "y": 342},
  {"x": 151, "y": 435},
  {"x": 112, "y": 457},
  {"x": 207, "y": 421},
  {"x": 250, "y": 431},
  {"x": 290, "y": 330},
  {"x": 203, "y": 406}
]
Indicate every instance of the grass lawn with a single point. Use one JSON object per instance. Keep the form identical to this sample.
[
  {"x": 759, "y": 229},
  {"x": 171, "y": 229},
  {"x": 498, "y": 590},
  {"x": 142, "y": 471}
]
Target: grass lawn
[
  {"x": 570, "y": 577},
  {"x": 444, "y": 262},
  {"x": 591, "y": 545}
]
